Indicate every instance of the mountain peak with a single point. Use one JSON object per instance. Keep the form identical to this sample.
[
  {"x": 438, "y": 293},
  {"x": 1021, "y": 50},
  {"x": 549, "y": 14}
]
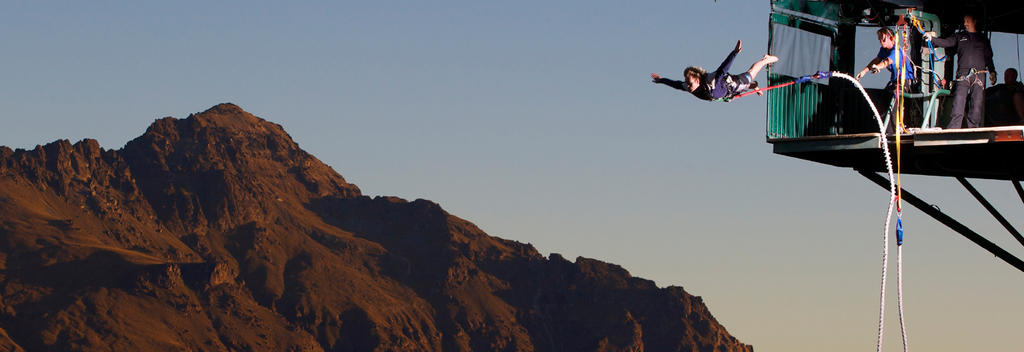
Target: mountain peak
[
  {"x": 226, "y": 118},
  {"x": 225, "y": 108},
  {"x": 221, "y": 156},
  {"x": 231, "y": 116}
]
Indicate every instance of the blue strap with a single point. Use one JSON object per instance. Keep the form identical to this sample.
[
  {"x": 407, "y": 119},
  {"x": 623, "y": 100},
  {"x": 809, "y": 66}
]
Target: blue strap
[
  {"x": 816, "y": 75},
  {"x": 899, "y": 228},
  {"x": 931, "y": 49},
  {"x": 931, "y": 56}
]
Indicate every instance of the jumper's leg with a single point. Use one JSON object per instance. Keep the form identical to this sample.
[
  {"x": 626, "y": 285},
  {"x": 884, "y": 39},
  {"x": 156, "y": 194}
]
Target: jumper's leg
[{"x": 757, "y": 66}]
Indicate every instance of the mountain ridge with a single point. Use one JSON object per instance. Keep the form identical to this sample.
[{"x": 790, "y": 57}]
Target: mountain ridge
[{"x": 217, "y": 232}]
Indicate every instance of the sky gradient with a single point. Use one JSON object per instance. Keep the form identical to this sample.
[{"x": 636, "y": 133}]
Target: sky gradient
[{"x": 538, "y": 122}]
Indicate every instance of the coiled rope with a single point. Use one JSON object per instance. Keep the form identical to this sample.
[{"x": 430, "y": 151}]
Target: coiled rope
[{"x": 888, "y": 218}]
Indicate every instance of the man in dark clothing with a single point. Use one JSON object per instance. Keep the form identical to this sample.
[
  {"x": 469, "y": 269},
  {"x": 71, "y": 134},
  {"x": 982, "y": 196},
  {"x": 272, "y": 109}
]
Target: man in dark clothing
[
  {"x": 719, "y": 84},
  {"x": 973, "y": 58}
]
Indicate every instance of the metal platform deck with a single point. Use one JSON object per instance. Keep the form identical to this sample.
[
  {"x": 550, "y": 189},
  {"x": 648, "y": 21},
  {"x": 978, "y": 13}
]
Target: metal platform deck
[{"x": 989, "y": 152}]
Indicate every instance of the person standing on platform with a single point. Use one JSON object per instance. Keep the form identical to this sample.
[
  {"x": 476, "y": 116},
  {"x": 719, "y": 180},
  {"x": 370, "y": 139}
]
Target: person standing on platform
[
  {"x": 1004, "y": 102},
  {"x": 973, "y": 60},
  {"x": 889, "y": 57}
]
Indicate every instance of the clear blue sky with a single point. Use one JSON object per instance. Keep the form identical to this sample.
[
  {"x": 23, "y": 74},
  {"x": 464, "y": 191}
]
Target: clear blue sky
[{"x": 538, "y": 122}]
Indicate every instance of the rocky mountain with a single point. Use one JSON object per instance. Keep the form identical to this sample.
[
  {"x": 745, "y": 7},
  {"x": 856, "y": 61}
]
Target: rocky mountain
[{"x": 218, "y": 233}]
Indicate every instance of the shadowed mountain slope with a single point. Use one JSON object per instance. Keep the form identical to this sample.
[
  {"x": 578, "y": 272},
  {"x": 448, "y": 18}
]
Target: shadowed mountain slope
[{"x": 218, "y": 233}]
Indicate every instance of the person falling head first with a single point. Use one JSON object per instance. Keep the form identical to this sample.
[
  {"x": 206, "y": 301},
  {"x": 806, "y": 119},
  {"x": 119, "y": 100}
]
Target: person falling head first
[{"x": 718, "y": 84}]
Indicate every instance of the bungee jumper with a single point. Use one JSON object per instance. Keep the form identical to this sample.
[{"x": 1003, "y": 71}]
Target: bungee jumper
[{"x": 718, "y": 85}]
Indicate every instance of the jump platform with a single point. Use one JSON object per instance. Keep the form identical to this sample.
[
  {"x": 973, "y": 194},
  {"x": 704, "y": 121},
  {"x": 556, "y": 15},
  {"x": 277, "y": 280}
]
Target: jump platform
[{"x": 988, "y": 153}]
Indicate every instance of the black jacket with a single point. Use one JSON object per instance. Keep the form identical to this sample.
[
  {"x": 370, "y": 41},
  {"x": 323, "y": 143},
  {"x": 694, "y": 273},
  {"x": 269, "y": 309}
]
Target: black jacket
[{"x": 972, "y": 51}]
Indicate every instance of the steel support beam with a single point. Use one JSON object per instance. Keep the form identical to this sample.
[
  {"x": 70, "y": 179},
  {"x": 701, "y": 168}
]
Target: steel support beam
[
  {"x": 991, "y": 209},
  {"x": 949, "y": 222}
]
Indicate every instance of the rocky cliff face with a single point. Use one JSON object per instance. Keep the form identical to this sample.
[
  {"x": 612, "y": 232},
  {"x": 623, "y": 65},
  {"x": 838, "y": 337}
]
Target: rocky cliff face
[{"x": 216, "y": 232}]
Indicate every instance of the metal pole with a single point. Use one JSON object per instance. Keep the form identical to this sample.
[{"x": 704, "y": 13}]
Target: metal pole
[
  {"x": 949, "y": 222},
  {"x": 988, "y": 206}
]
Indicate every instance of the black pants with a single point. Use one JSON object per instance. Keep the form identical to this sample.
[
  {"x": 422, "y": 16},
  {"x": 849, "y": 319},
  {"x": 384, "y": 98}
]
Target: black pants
[{"x": 973, "y": 85}]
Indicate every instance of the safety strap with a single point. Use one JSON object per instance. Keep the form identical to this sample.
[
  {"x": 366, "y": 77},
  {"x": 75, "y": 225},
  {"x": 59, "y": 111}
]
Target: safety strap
[
  {"x": 973, "y": 72},
  {"x": 801, "y": 79}
]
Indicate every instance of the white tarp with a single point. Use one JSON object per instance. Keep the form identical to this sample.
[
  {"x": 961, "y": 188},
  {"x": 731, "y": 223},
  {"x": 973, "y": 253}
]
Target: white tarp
[{"x": 800, "y": 52}]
